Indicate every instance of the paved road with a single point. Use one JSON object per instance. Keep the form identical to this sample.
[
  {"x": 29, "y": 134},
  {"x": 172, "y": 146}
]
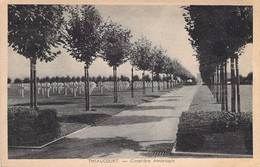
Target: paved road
[{"x": 148, "y": 130}]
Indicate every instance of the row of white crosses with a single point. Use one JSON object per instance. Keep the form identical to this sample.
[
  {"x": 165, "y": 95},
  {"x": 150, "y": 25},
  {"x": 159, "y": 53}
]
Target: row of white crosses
[
  {"x": 121, "y": 85},
  {"x": 77, "y": 88},
  {"x": 74, "y": 88}
]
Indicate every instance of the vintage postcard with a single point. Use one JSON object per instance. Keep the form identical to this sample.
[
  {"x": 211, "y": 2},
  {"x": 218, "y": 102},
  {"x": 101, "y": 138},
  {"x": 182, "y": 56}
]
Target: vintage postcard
[{"x": 130, "y": 83}]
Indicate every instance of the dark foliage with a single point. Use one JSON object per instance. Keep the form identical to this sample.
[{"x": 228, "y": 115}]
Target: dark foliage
[
  {"x": 17, "y": 80},
  {"x": 25, "y": 128},
  {"x": 9, "y": 80}
]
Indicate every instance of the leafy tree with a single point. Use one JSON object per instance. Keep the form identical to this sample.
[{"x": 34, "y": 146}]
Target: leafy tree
[
  {"x": 93, "y": 79},
  {"x": 57, "y": 79},
  {"x": 142, "y": 51},
  {"x": 154, "y": 56},
  {"x": 68, "y": 79},
  {"x": 52, "y": 80},
  {"x": 9, "y": 80},
  {"x": 104, "y": 79},
  {"x": 159, "y": 62},
  {"x": 133, "y": 62},
  {"x": 124, "y": 78},
  {"x": 33, "y": 31},
  {"x": 47, "y": 79},
  {"x": 167, "y": 69},
  {"x": 110, "y": 78},
  {"x": 98, "y": 79},
  {"x": 157, "y": 78},
  {"x": 136, "y": 78},
  {"x": 17, "y": 80},
  {"x": 73, "y": 79},
  {"x": 147, "y": 78},
  {"x": 62, "y": 79},
  {"x": 83, "y": 40},
  {"x": 116, "y": 48},
  {"x": 26, "y": 80},
  {"x": 42, "y": 80},
  {"x": 250, "y": 77},
  {"x": 78, "y": 79},
  {"x": 218, "y": 33}
]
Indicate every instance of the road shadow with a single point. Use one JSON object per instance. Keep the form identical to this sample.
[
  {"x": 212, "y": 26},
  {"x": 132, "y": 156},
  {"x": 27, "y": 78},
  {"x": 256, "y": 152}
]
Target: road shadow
[
  {"x": 142, "y": 108},
  {"x": 131, "y": 119},
  {"x": 78, "y": 148},
  {"x": 89, "y": 119},
  {"x": 114, "y": 106}
]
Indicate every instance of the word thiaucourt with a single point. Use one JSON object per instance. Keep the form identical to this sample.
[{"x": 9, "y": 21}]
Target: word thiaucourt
[{"x": 131, "y": 161}]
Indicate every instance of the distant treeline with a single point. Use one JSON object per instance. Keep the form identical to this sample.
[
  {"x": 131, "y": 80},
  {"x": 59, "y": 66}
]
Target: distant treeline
[
  {"x": 248, "y": 80},
  {"x": 82, "y": 79}
]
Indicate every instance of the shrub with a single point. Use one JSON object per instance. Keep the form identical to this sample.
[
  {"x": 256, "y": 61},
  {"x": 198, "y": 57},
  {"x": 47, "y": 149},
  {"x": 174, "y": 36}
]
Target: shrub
[
  {"x": 227, "y": 121},
  {"x": 17, "y": 80},
  {"x": 194, "y": 127},
  {"x": 190, "y": 141},
  {"x": 25, "y": 128}
]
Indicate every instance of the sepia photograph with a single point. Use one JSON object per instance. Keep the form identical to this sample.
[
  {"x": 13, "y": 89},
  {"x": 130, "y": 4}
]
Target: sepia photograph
[{"x": 143, "y": 83}]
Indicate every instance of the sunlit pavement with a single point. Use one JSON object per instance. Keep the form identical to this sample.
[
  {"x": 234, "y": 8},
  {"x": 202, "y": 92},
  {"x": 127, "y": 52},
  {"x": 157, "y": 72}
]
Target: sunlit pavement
[{"x": 148, "y": 130}]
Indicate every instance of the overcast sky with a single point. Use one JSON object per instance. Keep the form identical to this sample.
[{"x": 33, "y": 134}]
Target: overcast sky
[{"x": 163, "y": 25}]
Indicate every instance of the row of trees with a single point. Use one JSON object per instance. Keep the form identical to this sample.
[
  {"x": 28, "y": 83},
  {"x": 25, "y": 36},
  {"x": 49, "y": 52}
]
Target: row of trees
[
  {"x": 146, "y": 57},
  {"x": 219, "y": 34},
  {"x": 36, "y": 31},
  {"x": 81, "y": 79}
]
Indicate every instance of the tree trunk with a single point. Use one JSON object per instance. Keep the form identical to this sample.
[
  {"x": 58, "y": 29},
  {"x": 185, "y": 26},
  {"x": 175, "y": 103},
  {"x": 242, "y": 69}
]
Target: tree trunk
[
  {"x": 214, "y": 86},
  {"x": 222, "y": 87},
  {"x": 211, "y": 85},
  {"x": 132, "y": 82},
  {"x": 31, "y": 84},
  {"x": 115, "y": 84},
  {"x": 233, "y": 89},
  {"x": 35, "y": 86},
  {"x": 226, "y": 92},
  {"x": 167, "y": 81},
  {"x": 143, "y": 83},
  {"x": 163, "y": 82},
  {"x": 217, "y": 92},
  {"x": 170, "y": 81},
  {"x": 158, "y": 82},
  {"x": 238, "y": 83},
  {"x": 87, "y": 96},
  {"x": 152, "y": 80}
]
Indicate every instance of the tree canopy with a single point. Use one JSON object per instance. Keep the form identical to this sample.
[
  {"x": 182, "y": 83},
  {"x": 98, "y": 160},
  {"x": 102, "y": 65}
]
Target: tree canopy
[
  {"x": 142, "y": 53},
  {"x": 116, "y": 43},
  {"x": 34, "y": 31},
  {"x": 83, "y": 28},
  {"x": 218, "y": 33}
]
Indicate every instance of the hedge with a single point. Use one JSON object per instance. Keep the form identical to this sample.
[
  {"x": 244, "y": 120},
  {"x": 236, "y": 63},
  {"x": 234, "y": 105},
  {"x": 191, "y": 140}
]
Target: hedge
[
  {"x": 195, "y": 126},
  {"x": 27, "y": 128}
]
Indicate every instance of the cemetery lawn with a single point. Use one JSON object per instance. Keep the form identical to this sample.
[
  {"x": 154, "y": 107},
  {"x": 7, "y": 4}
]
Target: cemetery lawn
[
  {"x": 197, "y": 131},
  {"x": 71, "y": 110}
]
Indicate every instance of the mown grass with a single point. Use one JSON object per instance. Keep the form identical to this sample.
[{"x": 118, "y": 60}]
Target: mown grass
[{"x": 71, "y": 113}]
